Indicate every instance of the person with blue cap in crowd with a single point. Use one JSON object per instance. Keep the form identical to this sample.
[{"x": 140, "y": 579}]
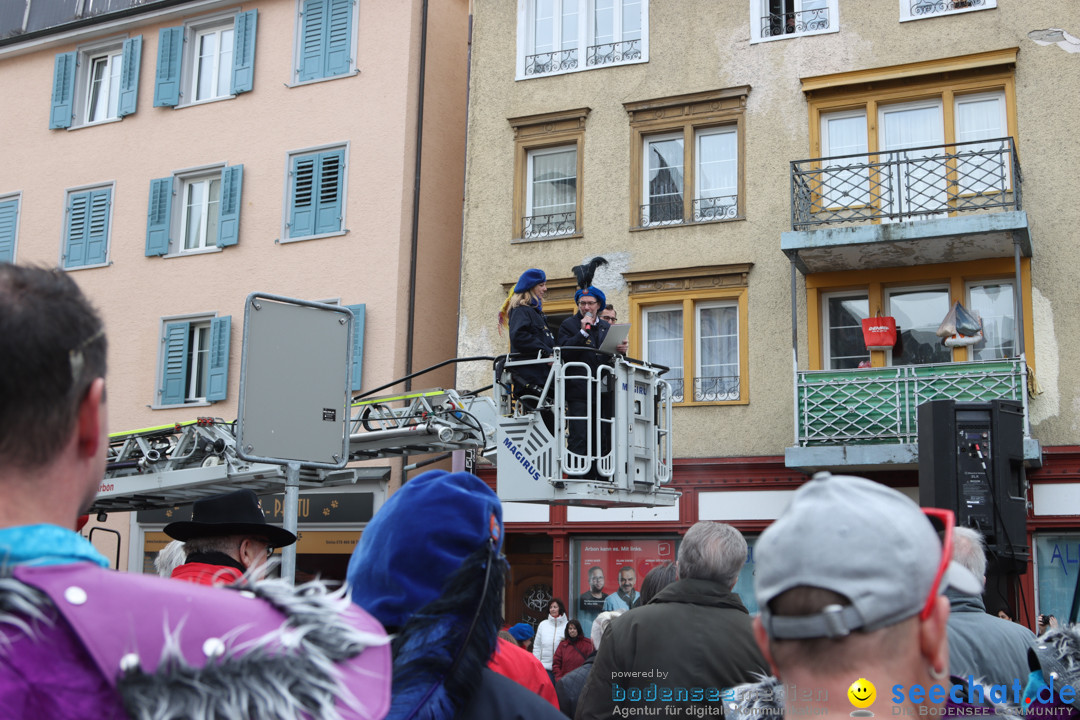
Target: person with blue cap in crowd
[
  {"x": 530, "y": 337},
  {"x": 584, "y": 330},
  {"x": 523, "y": 632},
  {"x": 437, "y": 584}
]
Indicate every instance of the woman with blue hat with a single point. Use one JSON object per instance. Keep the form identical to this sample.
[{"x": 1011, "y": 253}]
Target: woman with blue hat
[{"x": 530, "y": 336}]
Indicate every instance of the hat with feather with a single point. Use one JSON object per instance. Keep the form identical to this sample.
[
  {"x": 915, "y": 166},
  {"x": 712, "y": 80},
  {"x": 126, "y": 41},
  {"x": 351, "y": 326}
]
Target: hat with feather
[{"x": 584, "y": 274}]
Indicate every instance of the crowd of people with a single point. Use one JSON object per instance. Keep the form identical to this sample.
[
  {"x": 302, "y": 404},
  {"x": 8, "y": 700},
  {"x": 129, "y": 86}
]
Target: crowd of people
[{"x": 866, "y": 600}]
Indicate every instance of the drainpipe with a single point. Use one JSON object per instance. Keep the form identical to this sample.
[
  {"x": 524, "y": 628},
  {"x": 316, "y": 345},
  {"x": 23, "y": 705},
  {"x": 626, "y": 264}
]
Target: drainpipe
[
  {"x": 414, "y": 240},
  {"x": 795, "y": 349}
]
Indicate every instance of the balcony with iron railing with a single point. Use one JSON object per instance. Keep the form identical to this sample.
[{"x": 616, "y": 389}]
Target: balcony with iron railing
[
  {"x": 722, "y": 388},
  {"x": 795, "y": 23},
  {"x": 552, "y": 225},
  {"x": 864, "y": 204},
  {"x": 612, "y": 53},
  {"x": 854, "y": 416},
  {"x": 551, "y": 62},
  {"x": 946, "y": 203},
  {"x": 673, "y": 212},
  {"x": 921, "y": 8}
]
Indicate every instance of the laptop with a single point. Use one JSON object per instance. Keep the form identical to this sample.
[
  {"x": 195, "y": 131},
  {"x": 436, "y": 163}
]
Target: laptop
[{"x": 616, "y": 334}]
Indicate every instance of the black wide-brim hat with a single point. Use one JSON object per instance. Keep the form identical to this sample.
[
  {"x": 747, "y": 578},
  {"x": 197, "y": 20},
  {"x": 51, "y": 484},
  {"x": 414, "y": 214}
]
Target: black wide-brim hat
[{"x": 235, "y": 513}]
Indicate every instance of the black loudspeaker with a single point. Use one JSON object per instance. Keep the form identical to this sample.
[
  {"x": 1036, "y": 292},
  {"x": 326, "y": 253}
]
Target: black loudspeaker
[{"x": 971, "y": 461}]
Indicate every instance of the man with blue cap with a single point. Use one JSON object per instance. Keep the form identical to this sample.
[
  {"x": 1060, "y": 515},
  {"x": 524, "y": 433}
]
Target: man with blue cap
[
  {"x": 430, "y": 568},
  {"x": 584, "y": 330}
]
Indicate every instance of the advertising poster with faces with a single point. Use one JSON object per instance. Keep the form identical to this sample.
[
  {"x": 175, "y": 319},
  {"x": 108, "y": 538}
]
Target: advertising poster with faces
[{"x": 608, "y": 572}]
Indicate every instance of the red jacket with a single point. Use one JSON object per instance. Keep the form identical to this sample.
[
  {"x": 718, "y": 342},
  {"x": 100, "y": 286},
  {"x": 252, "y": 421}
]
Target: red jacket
[
  {"x": 570, "y": 656},
  {"x": 522, "y": 667},
  {"x": 206, "y": 574}
]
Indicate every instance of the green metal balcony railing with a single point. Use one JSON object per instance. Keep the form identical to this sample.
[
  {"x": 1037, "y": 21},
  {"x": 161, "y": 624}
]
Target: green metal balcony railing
[{"x": 879, "y": 405}]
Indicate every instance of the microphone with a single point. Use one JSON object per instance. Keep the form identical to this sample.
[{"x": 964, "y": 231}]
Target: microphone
[{"x": 588, "y": 319}]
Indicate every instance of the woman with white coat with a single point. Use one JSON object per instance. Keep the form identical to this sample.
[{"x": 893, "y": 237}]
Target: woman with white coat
[{"x": 549, "y": 633}]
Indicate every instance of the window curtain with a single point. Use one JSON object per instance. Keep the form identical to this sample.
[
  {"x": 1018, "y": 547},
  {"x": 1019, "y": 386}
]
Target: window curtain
[{"x": 664, "y": 345}]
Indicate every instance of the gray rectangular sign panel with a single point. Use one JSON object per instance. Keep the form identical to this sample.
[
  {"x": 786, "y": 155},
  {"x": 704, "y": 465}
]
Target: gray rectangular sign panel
[{"x": 294, "y": 382}]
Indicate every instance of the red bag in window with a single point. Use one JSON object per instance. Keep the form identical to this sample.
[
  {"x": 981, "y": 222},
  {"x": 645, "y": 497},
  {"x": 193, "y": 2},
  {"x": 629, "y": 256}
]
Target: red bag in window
[{"x": 879, "y": 333}]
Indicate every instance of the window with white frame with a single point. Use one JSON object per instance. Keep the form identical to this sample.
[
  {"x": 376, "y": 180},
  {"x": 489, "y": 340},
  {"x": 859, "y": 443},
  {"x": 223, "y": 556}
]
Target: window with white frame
[
  {"x": 557, "y": 36},
  {"x": 918, "y": 312},
  {"x": 994, "y": 302},
  {"x": 920, "y": 9},
  {"x": 325, "y": 39},
  {"x": 843, "y": 344},
  {"x": 548, "y": 165},
  {"x": 713, "y": 153},
  {"x": 9, "y": 227},
  {"x": 915, "y": 133},
  {"x": 206, "y": 59},
  {"x": 775, "y": 19},
  {"x": 662, "y": 332},
  {"x": 702, "y": 338},
  {"x": 551, "y": 192},
  {"x": 686, "y": 164},
  {"x": 316, "y": 199},
  {"x": 96, "y": 84},
  {"x": 194, "y": 360},
  {"x": 87, "y": 224},
  {"x": 716, "y": 370},
  {"x": 194, "y": 211}
]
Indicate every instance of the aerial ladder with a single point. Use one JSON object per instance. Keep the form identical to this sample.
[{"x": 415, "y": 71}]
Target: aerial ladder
[
  {"x": 627, "y": 459},
  {"x": 176, "y": 464}
]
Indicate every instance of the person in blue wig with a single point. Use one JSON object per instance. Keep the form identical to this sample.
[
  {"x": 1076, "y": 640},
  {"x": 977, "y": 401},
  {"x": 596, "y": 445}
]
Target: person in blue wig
[
  {"x": 430, "y": 568},
  {"x": 530, "y": 337}
]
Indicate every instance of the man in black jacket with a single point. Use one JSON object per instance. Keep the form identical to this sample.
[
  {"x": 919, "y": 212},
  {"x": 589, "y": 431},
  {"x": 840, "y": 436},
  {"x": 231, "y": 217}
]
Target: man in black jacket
[
  {"x": 584, "y": 329},
  {"x": 680, "y": 651}
]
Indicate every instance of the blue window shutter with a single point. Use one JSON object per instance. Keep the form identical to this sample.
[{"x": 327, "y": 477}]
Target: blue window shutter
[
  {"x": 77, "y": 227},
  {"x": 97, "y": 235},
  {"x": 217, "y": 383},
  {"x": 302, "y": 205},
  {"x": 339, "y": 37},
  {"x": 174, "y": 358},
  {"x": 358, "y": 346},
  {"x": 170, "y": 58},
  {"x": 312, "y": 40},
  {"x": 159, "y": 216},
  {"x": 63, "y": 93},
  {"x": 9, "y": 216},
  {"x": 130, "y": 63},
  {"x": 243, "y": 72},
  {"x": 232, "y": 181},
  {"x": 328, "y": 200}
]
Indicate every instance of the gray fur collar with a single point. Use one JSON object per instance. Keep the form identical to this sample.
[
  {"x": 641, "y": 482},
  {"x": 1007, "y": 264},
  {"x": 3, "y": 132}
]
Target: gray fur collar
[{"x": 291, "y": 671}]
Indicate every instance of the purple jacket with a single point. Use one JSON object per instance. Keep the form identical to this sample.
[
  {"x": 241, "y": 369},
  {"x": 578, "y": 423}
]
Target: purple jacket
[{"x": 79, "y": 641}]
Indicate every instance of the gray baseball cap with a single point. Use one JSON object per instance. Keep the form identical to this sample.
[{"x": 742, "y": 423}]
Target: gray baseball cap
[{"x": 857, "y": 538}]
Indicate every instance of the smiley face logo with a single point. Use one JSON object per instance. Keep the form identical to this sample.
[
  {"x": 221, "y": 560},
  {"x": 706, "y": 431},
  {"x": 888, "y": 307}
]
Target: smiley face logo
[{"x": 862, "y": 693}]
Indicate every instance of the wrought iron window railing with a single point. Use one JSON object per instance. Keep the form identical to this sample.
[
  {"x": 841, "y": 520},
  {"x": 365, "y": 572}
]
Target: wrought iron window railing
[
  {"x": 553, "y": 225},
  {"x": 795, "y": 23},
  {"x": 879, "y": 405},
  {"x": 707, "y": 389},
  {"x": 609, "y": 53},
  {"x": 544, "y": 63},
  {"x": 716, "y": 208},
  {"x": 933, "y": 7},
  {"x": 909, "y": 184},
  {"x": 673, "y": 212}
]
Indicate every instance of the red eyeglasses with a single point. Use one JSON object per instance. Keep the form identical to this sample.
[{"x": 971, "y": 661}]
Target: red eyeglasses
[{"x": 948, "y": 520}]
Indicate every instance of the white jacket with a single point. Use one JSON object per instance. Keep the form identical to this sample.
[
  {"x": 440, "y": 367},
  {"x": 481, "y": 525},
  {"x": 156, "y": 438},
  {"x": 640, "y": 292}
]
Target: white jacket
[{"x": 549, "y": 633}]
